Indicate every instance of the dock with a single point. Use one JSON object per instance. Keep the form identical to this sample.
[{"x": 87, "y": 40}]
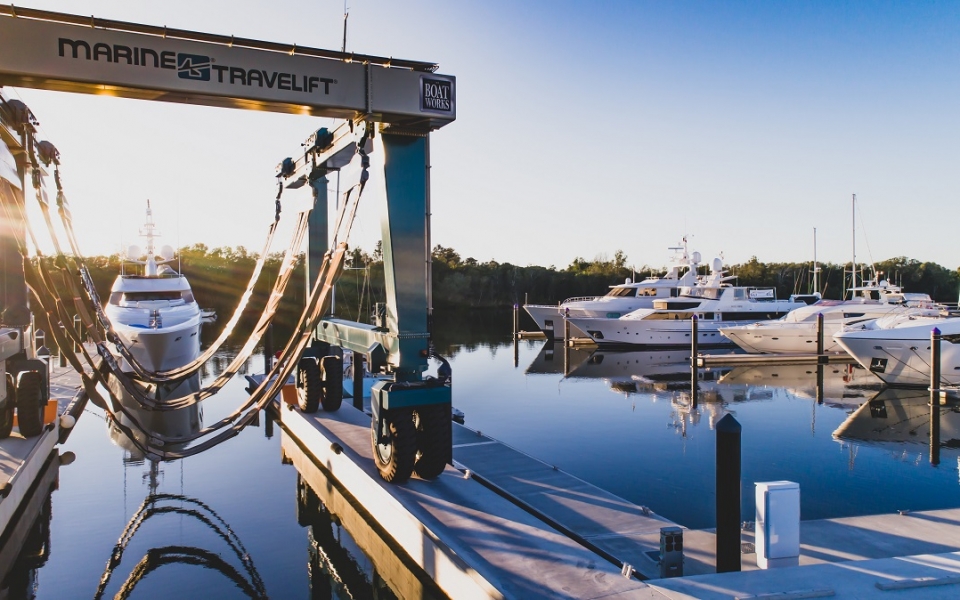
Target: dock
[
  {"x": 502, "y": 524},
  {"x": 736, "y": 360},
  {"x": 23, "y": 460}
]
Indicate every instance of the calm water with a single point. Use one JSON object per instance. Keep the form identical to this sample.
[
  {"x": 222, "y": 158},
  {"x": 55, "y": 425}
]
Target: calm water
[{"x": 232, "y": 524}]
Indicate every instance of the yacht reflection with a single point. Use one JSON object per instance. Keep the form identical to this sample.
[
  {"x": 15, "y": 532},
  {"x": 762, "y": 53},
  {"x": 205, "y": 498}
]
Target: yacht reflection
[
  {"x": 898, "y": 417},
  {"x": 26, "y": 542},
  {"x": 557, "y": 359},
  {"x": 173, "y": 424},
  {"x": 347, "y": 557},
  {"x": 645, "y": 371},
  {"x": 842, "y": 385}
]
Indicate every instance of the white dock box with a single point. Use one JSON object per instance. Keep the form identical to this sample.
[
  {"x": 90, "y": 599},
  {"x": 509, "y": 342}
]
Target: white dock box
[{"x": 778, "y": 524}]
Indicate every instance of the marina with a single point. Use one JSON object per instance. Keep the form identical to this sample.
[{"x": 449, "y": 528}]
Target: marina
[{"x": 396, "y": 439}]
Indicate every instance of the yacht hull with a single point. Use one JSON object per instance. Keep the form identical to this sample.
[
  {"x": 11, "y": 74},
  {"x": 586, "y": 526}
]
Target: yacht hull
[
  {"x": 164, "y": 348},
  {"x": 792, "y": 338},
  {"x": 653, "y": 333},
  {"x": 901, "y": 356}
]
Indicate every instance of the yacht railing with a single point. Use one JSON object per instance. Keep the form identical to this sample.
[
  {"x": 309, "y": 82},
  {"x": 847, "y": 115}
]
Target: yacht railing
[{"x": 580, "y": 299}]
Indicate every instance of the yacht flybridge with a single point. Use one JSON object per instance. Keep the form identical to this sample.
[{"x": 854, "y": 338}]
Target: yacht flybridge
[
  {"x": 623, "y": 298},
  {"x": 155, "y": 313},
  {"x": 714, "y": 301},
  {"x": 797, "y": 331}
]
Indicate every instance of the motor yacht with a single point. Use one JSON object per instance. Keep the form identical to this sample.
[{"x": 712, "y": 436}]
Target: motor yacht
[
  {"x": 715, "y": 302},
  {"x": 155, "y": 313},
  {"x": 896, "y": 348},
  {"x": 797, "y": 331},
  {"x": 621, "y": 299}
]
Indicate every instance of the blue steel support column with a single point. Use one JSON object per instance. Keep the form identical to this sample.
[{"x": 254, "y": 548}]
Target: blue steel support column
[
  {"x": 318, "y": 234},
  {"x": 406, "y": 252}
]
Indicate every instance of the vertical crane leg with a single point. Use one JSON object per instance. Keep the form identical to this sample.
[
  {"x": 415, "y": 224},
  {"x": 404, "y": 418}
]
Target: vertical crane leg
[{"x": 411, "y": 427}]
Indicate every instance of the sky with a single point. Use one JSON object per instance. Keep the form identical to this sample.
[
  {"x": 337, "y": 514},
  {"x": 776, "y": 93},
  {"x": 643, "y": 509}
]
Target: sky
[{"x": 582, "y": 128}]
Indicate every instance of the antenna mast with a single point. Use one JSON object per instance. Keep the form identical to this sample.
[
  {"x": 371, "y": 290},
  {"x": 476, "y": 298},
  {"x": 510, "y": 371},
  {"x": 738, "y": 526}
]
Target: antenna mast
[
  {"x": 346, "y": 15},
  {"x": 816, "y": 269}
]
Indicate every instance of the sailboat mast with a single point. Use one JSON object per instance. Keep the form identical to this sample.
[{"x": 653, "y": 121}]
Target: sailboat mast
[
  {"x": 816, "y": 269},
  {"x": 853, "y": 267}
]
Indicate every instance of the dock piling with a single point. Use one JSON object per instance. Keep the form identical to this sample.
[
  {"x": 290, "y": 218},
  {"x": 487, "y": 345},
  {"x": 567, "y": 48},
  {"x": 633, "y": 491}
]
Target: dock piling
[
  {"x": 694, "y": 369},
  {"x": 728, "y": 494},
  {"x": 819, "y": 334},
  {"x": 819, "y": 384},
  {"x": 268, "y": 349},
  {"x": 516, "y": 320},
  {"x": 566, "y": 326},
  {"x": 935, "y": 396}
]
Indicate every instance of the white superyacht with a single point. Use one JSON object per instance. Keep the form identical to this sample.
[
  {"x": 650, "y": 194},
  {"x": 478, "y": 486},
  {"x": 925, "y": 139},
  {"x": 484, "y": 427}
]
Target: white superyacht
[
  {"x": 668, "y": 323},
  {"x": 797, "y": 331},
  {"x": 155, "y": 313}
]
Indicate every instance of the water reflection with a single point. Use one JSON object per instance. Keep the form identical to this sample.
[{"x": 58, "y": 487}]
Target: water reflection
[
  {"x": 26, "y": 545},
  {"x": 900, "y": 416},
  {"x": 248, "y": 582},
  {"x": 170, "y": 424},
  {"x": 347, "y": 557}
]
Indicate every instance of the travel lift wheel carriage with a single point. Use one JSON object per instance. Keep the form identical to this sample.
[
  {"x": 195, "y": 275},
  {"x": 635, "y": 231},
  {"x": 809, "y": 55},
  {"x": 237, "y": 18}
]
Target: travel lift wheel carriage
[
  {"x": 411, "y": 415},
  {"x": 24, "y": 385},
  {"x": 405, "y": 99}
]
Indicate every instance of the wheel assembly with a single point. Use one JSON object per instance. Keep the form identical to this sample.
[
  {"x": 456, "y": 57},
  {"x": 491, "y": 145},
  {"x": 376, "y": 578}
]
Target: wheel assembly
[
  {"x": 308, "y": 385},
  {"x": 434, "y": 438},
  {"x": 30, "y": 403},
  {"x": 395, "y": 452},
  {"x": 7, "y": 408}
]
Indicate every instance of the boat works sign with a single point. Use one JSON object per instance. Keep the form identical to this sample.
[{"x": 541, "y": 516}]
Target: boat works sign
[{"x": 59, "y": 56}]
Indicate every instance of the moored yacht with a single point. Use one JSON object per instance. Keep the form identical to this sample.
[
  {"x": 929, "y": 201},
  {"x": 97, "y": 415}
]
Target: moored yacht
[
  {"x": 621, "y": 299},
  {"x": 797, "y": 331},
  {"x": 896, "y": 348},
  {"x": 155, "y": 313},
  {"x": 713, "y": 301}
]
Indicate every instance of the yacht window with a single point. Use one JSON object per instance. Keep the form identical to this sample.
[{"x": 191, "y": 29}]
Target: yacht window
[
  {"x": 187, "y": 297},
  {"x": 739, "y": 294},
  {"x": 148, "y": 296},
  {"x": 115, "y": 298},
  {"x": 847, "y": 315},
  {"x": 707, "y": 293},
  {"x": 652, "y": 292},
  {"x": 619, "y": 292}
]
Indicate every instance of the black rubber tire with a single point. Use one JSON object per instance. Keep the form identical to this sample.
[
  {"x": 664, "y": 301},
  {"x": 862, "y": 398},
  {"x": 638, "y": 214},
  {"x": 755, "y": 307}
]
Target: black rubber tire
[
  {"x": 396, "y": 458},
  {"x": 309, "y": 386},
  {"x": 331, "y": 370},
  {"x": 30, "y": 403},
  {"x": 6, "y": 411},
  {"x": 434, "y": 439}
]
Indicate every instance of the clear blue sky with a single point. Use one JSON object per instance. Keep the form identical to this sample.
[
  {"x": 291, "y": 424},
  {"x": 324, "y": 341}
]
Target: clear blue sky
[{"x": 583, "y": 128}]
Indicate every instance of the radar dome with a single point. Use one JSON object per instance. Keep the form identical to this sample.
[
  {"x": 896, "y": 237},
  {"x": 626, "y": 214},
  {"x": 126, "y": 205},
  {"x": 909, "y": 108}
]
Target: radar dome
[
  {"x": 695, "y": 258},
  {"x": 717, "y": 265},
  {"x": 134, "y": 252},
  {"x": 166, "y": 252}
]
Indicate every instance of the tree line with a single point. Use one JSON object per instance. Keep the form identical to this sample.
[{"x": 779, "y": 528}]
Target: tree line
[{"x": 219, "y": 276}]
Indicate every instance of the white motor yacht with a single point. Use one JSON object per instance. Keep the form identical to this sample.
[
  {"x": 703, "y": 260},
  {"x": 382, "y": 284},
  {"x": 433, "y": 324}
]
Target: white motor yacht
[
  {"x": 155, "y": 314},
  {"x": 621, "y": 299},
  {"x": 896, "y": 348},
  {"x": 714, "y": 302},
  {"x": 797, "y": 331}
]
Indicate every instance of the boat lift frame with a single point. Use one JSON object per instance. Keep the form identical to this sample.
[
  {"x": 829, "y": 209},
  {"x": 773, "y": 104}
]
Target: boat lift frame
[{"x": 405, "y": 100}]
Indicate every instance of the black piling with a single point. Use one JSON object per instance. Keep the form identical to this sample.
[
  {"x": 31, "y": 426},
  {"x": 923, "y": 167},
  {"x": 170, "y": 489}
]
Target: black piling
[
  {"x": 358, "y": 380},
  {"x": 516, "y": 320},
  {"x": 268, "y": 350},
  {"x": 728, "y": 494},
  {"x": 819, "y": 337},
  {"x": 566, "y": 326},
  {"x": 935, "y": 396},
  {"x": 694, "y": 369}
]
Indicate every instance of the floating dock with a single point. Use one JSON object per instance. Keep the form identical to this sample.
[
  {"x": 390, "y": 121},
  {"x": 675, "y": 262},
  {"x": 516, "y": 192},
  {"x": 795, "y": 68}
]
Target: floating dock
[
  {"x": 505, "y": 525},
  {"x": 736, "y": 360},
  {"x": 22, "y": 460}
]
